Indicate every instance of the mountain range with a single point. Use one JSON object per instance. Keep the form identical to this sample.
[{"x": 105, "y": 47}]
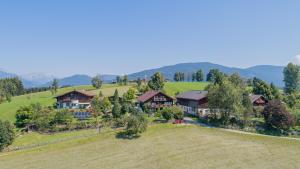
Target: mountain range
[{"x": 268, "y": 73}]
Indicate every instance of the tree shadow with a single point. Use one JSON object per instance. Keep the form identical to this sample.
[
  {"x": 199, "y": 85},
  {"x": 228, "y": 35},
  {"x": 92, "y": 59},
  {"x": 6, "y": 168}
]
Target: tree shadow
[
  {"x": 125, "y": 136},
  {"x": 160, "y": 121}
]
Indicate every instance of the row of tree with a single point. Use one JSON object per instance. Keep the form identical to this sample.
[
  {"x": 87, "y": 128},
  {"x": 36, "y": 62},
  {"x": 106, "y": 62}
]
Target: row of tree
[{"x": 10, "y": 87}]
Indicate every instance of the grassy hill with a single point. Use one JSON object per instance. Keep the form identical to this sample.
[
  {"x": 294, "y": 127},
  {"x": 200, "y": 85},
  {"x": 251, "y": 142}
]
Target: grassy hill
[
  {"x": 172, "y": 88},
  {"x": 8, "y": 110},
  {"x": 162, "y": 146}
]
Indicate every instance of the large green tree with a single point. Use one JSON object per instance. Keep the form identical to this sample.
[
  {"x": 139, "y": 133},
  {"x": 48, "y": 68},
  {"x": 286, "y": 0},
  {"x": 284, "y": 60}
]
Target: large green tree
[
  {"x": 225, "y": 99},
  {"x": 157, "y": 81},
  {"x": 291, "y": 78}
]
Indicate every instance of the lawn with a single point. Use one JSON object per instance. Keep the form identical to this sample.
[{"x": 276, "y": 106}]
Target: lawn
[
  {"x": 8, "y": 110},
  {"x": 162, "y": 146},
  {"x": 172, "y": 88}
]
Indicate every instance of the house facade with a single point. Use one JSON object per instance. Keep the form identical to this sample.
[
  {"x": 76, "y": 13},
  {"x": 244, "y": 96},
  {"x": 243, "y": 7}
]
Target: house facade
[
  {"x": 76, "y": 99},
  {"x": 194, "y": 102},
  {"x": 155, "y": 100}
]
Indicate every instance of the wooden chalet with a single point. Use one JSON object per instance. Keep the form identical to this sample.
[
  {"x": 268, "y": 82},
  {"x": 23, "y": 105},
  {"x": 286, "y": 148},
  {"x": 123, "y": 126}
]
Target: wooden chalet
[
  {"x": 155, "y": 100},
  {"x": 258, "y": 100},
  {"x": 76, "y": 99},
  {"x": 194, "y": 102}
]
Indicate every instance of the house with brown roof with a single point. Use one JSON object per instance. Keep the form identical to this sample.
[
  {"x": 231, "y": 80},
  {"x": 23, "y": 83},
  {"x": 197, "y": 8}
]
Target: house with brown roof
[
  {"x": 194, "y": 102},
  {"x": 258, "y": 100},
  {"x": 76, "y": 99},
  {"x": 155, "y": 100}
]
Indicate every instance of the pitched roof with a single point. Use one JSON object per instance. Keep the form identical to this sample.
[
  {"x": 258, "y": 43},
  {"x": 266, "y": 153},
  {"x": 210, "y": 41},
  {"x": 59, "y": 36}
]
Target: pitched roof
[
  {"x": 193, "y": 95},
  {"x": 254, "y": 97},
  {"x": 148, "y": 95},
  {"x": 84, "y": 92}
]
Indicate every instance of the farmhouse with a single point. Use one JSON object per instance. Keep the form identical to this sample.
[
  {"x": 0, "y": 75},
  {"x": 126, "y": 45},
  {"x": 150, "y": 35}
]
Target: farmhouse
[
  {"x": 76, "y": 99},
  {"x": 258, "y": 100},
  {"x": 155, "y": 100},
  {"x": 194, "y": 102}
]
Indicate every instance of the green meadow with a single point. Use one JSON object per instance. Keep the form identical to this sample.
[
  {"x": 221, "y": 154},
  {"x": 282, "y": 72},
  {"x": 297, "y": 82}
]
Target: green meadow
[{"x": 163, "y": 146}]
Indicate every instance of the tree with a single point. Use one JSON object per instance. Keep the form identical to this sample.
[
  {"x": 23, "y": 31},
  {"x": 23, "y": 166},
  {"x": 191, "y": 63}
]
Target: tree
[
  {"x": 156, "y": 82},
  {"x": 194, "y": 77},
  {"x": 262, "y": 88},
  {"x": 225, "y": 99},
  {"x": 215, "y": 76},
  {"x": 125, "y": 80},
  {"x": 275, "y": 92},
  {"x": 129, "y": 95},
  {"x": 199, "y": 76},
  {"x": 7, "y": 134},
  {"x": 139, "y": 83},
  {"x": 248, "y": 108},
  {"x": 276, "y": 116},
  {"x": 101, "y": 94},
  {"x": 116, "y": 111},
  {"x": 96, "y": 106},
  {"x": 116, "y": 96},
  {"x": 236, "y": 80},
  {"x": 176, "y": 77},
  {"x": 54, "y": 86},
  {"x": 97, "y": 82},
  {"x": 119, "y": 80},
  {"x": 136, "y": 124},
  {"x": 291, "y": 78}
]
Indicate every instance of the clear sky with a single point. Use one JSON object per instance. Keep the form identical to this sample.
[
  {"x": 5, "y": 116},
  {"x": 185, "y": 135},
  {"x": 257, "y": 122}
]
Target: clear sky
[{"x": 64, "y": 37}]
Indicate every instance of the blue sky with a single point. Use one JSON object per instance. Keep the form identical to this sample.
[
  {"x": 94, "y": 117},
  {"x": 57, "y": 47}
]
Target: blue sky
[{"x": 64, "y": 37}]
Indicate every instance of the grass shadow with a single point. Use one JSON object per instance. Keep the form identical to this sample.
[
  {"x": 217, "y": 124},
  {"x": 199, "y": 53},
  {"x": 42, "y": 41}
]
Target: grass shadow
[{"x": 125, "y": 136}]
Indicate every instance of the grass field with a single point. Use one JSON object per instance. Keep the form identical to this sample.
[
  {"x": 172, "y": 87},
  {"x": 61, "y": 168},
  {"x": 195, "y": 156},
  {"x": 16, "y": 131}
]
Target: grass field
[
  {"x": 163, "y": 146},
  {"x": 172, "y": 88},
  {"x": 8, "y": 110}
]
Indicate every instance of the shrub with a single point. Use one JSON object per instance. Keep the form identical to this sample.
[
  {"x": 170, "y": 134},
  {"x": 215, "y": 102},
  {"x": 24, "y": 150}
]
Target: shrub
[
  {"x": 6, "y": 134},
  {"x": 276, "y": 115},
  {"x": 177, "y": 112},
  {"x": 23, "y": 116},
  {"x": 136, "y": 124},
  {"x": 167, "y": 114}
]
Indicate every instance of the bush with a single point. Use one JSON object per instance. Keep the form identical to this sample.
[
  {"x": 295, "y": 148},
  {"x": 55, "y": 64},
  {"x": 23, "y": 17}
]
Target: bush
[
  {"x": 276, "y": 116},
  {"x": 177, "y": 113},
  {"x": 23, "y": 116},
  {"x": 63, "y": 117},
  {"x": 136, "y": 124},
  {"x": 6, "y": 134},
  {"x": 167, "y": 113}
]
